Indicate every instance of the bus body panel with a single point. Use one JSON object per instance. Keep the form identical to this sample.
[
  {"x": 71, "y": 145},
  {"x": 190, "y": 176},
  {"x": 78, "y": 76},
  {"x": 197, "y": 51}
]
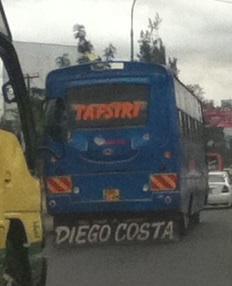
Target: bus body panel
[{"x": 108, "y": 192}]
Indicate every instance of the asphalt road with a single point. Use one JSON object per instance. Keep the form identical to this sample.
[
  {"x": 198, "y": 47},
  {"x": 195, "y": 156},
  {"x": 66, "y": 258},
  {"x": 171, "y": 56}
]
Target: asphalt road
[{"x": 202, "y": 258}]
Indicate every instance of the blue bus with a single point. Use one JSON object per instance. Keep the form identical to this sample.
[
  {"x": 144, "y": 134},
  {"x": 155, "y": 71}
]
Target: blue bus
[{"x": 125, "y": 155}]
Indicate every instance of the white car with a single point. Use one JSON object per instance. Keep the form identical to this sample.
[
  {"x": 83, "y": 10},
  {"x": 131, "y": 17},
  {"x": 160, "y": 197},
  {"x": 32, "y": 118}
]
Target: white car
[{"x": 220, "y": 190}]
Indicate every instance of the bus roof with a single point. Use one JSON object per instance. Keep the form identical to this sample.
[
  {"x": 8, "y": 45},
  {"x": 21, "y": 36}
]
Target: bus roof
[
  {"x": 59, "y": 79},
  {"x": 98, "y": 67}
]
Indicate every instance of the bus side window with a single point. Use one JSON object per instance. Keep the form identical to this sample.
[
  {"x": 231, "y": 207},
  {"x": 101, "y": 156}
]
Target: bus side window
[
  {"x": 56, "y": 119},
  {"x": 201, "y": 131},
  {"x": 184, "y": 128},
  {"x": 193, "y": 133},
  {"x": 180, "y": 122},
  {"x": 196, "y": 130},
  {"x": 189, "y": 126},
  {"x": 185, "y": 123}
]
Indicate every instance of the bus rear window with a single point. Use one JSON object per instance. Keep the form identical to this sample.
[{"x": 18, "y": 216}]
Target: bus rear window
[{"x": 108, "y": 105}]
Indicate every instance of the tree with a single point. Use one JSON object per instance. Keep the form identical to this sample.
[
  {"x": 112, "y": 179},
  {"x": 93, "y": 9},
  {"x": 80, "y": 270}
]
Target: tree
[
  {"x": 109, "y": 53},
  {"x": 152, "y": 49},
  {"x": 197, "y": 90},
  {"x": 63, "y": 61},
  {"x": 208, "y": 104},
  {"x": 172, "y": 63},
  {"x": 84, "y": 47},
  {"x": 226, "y": 103}
]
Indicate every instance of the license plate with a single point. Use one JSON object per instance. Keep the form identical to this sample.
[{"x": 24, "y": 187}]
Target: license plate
[{"x": 111, "y": 195}]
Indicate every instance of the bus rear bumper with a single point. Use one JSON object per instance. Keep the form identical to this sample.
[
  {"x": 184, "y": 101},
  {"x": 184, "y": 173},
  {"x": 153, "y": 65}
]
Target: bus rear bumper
[{"x": 168, "y": 201}]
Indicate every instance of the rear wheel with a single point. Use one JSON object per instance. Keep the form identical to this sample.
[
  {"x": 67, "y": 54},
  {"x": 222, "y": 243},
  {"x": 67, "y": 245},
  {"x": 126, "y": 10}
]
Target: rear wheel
[
  {"x": 195, "y": 218},
  {"x": 187, "y": 221},
  {"x": 184, "y": 223}
]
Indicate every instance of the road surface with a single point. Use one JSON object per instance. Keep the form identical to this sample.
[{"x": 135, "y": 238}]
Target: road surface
[{"x": 202, "y": 258}]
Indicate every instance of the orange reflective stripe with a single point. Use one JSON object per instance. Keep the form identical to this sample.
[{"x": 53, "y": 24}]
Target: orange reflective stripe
[
  {"x": 171, "y": 180},
  {"x": 157, "y": 183},
  {"x": 163, "y": 182},
  {"x": 59, "y": 184}
]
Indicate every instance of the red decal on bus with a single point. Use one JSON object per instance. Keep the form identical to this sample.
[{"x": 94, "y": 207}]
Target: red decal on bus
[
  {"x": 161, "y": 182},
  {"x": 59, "y": 184}
]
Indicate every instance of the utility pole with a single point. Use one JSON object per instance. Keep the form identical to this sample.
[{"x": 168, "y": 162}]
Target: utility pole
[{"x": 132, "y": 31}]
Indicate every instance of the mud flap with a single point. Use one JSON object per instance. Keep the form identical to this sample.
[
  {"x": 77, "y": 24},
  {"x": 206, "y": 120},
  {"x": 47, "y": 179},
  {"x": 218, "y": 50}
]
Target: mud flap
[{"x": 70, "y": 231}]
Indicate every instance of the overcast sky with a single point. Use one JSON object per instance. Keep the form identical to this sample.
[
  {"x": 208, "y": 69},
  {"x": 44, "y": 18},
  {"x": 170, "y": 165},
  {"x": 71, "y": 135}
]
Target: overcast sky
[{"x": 197, "y": 32}]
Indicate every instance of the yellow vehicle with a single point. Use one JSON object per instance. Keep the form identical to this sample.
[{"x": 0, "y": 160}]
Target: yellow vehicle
[
  {"x": 20, "y": 220},
  {"x": 21, "y": 233}
]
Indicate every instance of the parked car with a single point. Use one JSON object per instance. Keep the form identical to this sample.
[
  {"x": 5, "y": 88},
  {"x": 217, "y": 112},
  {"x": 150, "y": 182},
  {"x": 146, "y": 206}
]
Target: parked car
[
  {"x": 229, "y": 171},
  {"x": 220, "y": 190}
]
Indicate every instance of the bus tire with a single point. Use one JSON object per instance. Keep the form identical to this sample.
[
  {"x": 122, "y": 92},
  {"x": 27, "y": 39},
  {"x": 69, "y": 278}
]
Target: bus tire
[
  {"x": 195, "y": 218},
  {"x": 17, "y": 266},
  {"x": 184, "y": 223},
  {"x": 185, "y": 219}
]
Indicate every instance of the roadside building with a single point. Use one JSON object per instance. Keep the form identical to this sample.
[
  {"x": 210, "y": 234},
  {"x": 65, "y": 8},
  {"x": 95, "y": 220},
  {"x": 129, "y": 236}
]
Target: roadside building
[
  {"x": 218, "y": 131},
  {"x": 37, "y": 60}
]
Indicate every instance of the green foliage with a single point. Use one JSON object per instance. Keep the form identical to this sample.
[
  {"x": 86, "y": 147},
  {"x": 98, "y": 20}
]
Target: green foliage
[
  {"x": 109, "y": 53},
  {"x": 63, "y": 61},
  {"x": 84, "y": 47},
  {"x": 226, "y": 103},
  {"x": 172, "y": 63},
  {"x": 151, "y": 47},
  {"x": 197, "y": 90},
  {"x": 208, "y": 104},
  {"x": 145, "y": 48}
]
